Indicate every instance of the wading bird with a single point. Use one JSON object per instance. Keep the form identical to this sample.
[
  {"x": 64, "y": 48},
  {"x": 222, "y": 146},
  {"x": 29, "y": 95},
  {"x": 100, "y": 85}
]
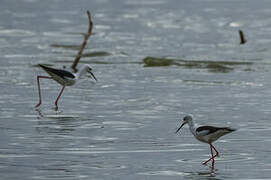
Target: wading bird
[
  {"x": 206, "y": 134},
  {"x": 63, "y": 77}
]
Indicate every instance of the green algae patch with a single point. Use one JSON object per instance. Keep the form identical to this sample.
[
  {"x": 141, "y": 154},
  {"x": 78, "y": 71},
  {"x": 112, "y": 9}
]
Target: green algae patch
[
  {"x": 212, "y": 66},
  {"x": 152, "y": 61},
  {"x": 77, "y": 47},
  {"x": 216, "y": 67},
  {"x": 96, "y": 54}
]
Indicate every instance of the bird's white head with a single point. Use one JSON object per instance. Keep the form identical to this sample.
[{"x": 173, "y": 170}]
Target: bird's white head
[
  {"x": 186, "y": 120},
  {"x": 86, "y": 68}
]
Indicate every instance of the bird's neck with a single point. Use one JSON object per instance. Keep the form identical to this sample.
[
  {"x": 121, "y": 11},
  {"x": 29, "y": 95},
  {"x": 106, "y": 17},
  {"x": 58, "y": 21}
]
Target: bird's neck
[
  {"x": 81, "y": 72},
  {"x": 192, "y": 127}
]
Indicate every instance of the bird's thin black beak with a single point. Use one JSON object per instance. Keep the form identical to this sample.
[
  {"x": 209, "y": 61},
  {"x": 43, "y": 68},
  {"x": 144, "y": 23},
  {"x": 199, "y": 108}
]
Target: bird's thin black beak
[
  {"x": 180, "y": 127},
  {"x": 93, "y": 75}
]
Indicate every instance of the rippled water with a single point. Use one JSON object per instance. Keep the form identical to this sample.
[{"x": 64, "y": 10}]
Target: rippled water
[{"x": 155, "y": 61}]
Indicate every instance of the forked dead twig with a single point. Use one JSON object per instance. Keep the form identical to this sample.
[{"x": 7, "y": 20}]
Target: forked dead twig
[{"x": 86, "y": 36}]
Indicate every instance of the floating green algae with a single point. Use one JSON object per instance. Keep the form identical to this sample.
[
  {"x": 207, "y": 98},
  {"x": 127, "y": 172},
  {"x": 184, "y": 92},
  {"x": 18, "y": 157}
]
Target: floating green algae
[
  {"x": 216, "y": 67},
  {"x": 212, "y": 66},
  {"x": 96, "y": 54},
  {"x": 77, "y": 47},
  {"x": 151, "y": 61}
]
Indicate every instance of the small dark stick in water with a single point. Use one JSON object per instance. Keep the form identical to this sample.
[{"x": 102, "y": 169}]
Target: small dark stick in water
[{"x": 242, "y": 37}]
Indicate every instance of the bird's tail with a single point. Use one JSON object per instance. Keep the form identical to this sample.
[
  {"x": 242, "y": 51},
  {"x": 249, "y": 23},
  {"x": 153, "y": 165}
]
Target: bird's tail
[{"x": 230, "y": 129}]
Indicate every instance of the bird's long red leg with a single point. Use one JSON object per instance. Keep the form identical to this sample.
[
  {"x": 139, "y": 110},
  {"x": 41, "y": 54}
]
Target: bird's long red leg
[
  {"x": 213, "y": 157},
  {"x": 217, "y": 153},
  {"x": 38, "y": 79},
  {"x": 210, "y": 157},
  {"x": 59, "y": 97}
]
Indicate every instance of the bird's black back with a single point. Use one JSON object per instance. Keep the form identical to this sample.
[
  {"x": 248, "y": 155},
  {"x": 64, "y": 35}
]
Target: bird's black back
[
  {"x": 59, "y": 72},
  {"x": 212, "y": 129}
]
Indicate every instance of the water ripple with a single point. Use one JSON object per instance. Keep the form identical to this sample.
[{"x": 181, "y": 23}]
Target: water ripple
[
  {"x": 16, "y": 33},
  {"x": 164, "y": 173}
]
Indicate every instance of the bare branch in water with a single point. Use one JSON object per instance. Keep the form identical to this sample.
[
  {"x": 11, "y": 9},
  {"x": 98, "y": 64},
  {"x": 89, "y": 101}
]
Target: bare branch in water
[{"x": 86, "y": 36}]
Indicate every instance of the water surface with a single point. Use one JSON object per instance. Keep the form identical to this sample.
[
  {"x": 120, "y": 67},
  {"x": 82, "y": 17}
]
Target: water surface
[{"x": 123, "y": 126}]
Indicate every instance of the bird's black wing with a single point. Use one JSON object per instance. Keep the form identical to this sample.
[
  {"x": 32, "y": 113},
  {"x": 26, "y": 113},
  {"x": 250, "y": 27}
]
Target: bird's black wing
[
  {"x": 212, "y": 129},
  {"x": 59, "y": 72}
]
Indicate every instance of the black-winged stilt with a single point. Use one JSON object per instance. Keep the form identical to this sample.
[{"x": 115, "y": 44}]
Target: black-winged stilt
[
  {"x": 63, "y": 77},
  {"x": 206, "y": 134}
]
